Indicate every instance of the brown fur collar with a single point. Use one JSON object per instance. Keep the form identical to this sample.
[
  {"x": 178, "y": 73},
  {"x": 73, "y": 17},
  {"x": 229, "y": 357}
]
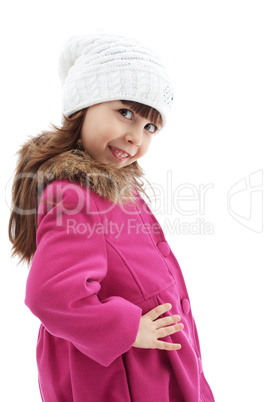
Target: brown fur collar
[{"x": 106, "y": 180}]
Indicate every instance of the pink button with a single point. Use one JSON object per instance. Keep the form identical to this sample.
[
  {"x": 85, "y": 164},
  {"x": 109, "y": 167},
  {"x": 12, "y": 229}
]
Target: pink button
[
  {"x": 163, "y": 248},
  {"x": 185, "y": 306}
]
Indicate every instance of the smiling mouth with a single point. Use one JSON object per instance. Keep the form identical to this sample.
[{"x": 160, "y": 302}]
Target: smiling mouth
[{"x": 119, "y": 154}]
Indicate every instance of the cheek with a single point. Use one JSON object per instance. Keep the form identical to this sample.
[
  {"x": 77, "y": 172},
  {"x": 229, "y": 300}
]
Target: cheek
[
  {"x": 97, "y": 135},
  {"x": 146, "y": 145},
  {"x": 144, "y": 148},
  {"x": 85, "y": 132}
]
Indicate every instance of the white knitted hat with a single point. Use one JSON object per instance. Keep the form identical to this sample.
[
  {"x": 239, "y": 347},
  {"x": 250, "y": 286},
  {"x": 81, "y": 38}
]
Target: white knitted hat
[{"x": 105, "y": 67}]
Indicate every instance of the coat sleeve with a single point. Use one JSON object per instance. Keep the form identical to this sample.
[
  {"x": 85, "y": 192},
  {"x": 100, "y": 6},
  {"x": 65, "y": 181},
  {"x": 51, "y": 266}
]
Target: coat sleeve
[{"x": 66, "y": 273}]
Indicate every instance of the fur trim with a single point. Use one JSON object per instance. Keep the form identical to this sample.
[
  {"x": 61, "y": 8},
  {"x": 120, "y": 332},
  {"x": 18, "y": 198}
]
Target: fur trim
[{"x": 117, "y": 185}]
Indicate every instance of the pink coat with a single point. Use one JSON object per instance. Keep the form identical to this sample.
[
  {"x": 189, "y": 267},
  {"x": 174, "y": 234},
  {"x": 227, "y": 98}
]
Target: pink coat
[{"x": 98, "y": 267}]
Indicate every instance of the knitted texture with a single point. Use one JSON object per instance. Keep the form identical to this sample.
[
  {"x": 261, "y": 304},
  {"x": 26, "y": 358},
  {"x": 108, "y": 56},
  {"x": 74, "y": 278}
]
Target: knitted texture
[{"x": 106, "y": 67}]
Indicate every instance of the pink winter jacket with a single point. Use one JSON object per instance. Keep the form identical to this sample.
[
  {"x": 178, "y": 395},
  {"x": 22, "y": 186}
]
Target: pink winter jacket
[{"x": 98, "y": 267}]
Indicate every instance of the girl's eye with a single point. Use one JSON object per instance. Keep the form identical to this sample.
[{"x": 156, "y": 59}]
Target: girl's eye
[
  {"x": 126, "y": 113},
  {"x": 151, "y": 128}
]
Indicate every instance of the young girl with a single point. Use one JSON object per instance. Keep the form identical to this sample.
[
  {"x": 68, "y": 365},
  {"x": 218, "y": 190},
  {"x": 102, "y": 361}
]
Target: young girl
[{"x": 116, "y": 321}]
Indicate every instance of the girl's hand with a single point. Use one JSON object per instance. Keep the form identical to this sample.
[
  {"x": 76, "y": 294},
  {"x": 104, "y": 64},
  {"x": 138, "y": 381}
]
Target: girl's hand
[{"x": 151, "y": 329}]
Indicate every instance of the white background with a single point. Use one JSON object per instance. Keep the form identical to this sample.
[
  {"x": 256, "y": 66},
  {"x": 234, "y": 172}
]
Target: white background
[{"x": 216, "y": 55}]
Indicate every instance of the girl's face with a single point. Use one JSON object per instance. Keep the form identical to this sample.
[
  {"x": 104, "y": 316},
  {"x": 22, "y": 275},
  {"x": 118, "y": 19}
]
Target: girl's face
[{"x": 112, "y": 133}]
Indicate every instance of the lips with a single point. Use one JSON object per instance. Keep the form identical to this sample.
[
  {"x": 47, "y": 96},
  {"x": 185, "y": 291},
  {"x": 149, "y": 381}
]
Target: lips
[{"x": 119, "y": 153}]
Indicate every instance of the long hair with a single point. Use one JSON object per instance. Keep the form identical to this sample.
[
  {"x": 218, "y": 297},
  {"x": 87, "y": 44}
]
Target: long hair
[{"x": 32, "y": 155}]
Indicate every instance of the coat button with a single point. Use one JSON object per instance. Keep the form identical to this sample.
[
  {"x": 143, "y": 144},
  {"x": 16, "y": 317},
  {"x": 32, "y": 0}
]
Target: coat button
[
  {"x": 163, "y": 248},
  {"x": 185, "y": 306}
]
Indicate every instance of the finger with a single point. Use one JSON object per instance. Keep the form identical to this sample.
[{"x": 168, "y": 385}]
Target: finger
[
  {"x": 163, "y": 322},
  {"x": 158, "y": 310},
  {"x": 166, "y": 345},
  {"x": 162, "y": 332}
]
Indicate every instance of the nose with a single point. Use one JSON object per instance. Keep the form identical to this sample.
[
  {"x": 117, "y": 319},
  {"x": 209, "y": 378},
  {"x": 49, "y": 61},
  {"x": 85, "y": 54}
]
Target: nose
[{"x": 134, "y": 136}]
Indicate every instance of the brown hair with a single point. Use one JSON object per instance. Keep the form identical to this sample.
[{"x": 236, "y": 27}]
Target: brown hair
[{"x": 32, "y": 155}]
